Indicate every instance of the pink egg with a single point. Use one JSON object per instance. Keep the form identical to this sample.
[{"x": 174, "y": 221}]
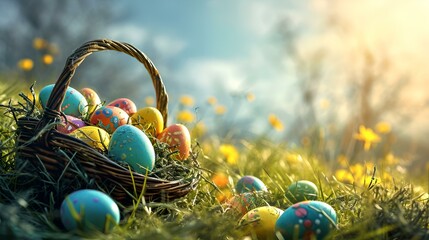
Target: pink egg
[
  {"x": 72, "y": 124},
  {"x": 125, "y": 104},
  {"x": 178, "y": 138}
]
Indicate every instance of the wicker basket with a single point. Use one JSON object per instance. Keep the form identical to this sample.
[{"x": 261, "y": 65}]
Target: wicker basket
[{"x": 54, "y": 152}]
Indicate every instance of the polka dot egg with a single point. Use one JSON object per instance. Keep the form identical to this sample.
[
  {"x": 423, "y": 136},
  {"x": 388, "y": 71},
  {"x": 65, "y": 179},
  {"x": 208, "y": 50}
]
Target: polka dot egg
[
  {"x": 74, "y": 102},
  {"x": 302, "y": 190},
  {"x": 307, "y": 220},
  {"x": 250, "y": 184},
  {"x": 109, "y": 118},
  {"x": 131, "y": 145},
  {"x": 88, "y": 210},
  {"x": 125, "y": 104}
]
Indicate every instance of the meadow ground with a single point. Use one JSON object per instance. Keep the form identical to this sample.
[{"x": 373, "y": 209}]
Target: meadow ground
[{"x": 374, "y": 197}]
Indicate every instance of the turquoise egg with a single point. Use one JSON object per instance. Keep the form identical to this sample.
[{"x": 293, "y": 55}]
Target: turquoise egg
[
  {"x": 307, "y": 220},
  {"x": 74, "y": 103},
  {"x": 88, "y": 210},
  {"x": 250, "y": 184},
  {"x": 302, "y": 190},
  {"x": 131, "y": 145}
]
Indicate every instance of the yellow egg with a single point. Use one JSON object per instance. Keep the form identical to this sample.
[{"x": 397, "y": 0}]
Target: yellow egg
[
  {"x": 148, "y": 119},
  {"x": 92, "y": 98},
  {"x": 93, "y": 136},
  {"x": 260, "y": 222}
]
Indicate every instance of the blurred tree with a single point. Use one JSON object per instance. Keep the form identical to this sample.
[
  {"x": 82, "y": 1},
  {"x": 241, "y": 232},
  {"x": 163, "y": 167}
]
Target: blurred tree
[
  {"x": 364, "y": 90},
  {"x": 32, "y": 29}
]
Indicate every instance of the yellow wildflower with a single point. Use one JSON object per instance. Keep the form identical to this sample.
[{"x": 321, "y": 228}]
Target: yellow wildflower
[
  {"x": 229, "y": 152},
  {"x": 220, "y": 109},
  {"x": 224, "y": 195},
  {"x": 39, "y": 43},
  {"x": 187, "y": 100},
  {"x": 391, "y": 160},
  {"x": 212, "y": 100},
  {"x": 383, "y": 127},
  {"x": 250, "y": 97},
  {"x": 386, "y": 177},
  {"x": 47, "y": 59},
  {"x": 275, "y": 122},
  {"x": 293, "y": 158},
  {"x": 343, "y": 175},
  {"x": 367, "y": 136},
  {"x": 220, "y": 179},
  {"x": 26, "y": 64},
  {"x": 149, "y": 101},
  {"x": 366, "y": 180},
  {"x": 185, "y": 116},
  {"x": 357, "y": 170}
]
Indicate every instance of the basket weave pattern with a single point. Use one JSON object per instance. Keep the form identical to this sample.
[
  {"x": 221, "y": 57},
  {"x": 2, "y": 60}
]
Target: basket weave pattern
[{"x": 40, "y": 143}]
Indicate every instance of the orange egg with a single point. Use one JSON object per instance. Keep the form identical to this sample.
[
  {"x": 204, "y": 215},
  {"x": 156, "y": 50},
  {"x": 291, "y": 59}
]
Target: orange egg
[
  {"x": 92, "y": 98},
  {"x": 177, "y": 136},
  {"x": 149, "y": 119},
  {"x": 109, "y": 118},
  {"x": 125, "y": 104}
]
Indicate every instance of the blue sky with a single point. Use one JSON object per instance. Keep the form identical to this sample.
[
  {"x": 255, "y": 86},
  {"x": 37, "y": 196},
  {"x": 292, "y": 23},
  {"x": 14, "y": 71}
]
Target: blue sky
[{"x": 214, "y": 48}]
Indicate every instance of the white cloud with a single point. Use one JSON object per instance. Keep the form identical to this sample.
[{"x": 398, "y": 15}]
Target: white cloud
[
  {"x": 208, "y": 74},
  {"x": 128, "y": 32},
  {"x": 168, "y": 46}
]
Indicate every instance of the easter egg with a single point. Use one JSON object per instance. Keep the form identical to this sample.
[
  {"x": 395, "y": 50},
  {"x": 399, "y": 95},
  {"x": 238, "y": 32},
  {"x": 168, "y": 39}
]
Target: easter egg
[
  {"x": 109, "y": 118},
  {"x": 94, "y": 136},
  {"x": 260, "y": 222},
  {"x": 125, "y": 104},
  {"x": 129, "y": 144},
  {"x": 92, "y": 98},
  {"x": 178, "y": 138},
  {"x": 242, "y": 203},
  {"x": 72, "y": 124},
  {"x": 302, "y": 190},
  {"x": 149, "y": 119},
  {"x": 250, "y": 184},
  {"x": 307, "y": 220},
  {"x": 89, "y": 210},
  {"x": 74, "y": 103}
]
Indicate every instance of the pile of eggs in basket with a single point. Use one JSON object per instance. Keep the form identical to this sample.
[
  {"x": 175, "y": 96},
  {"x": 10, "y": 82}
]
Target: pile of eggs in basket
[
  {"x": 119, "y": 128},
  {"x": 304, "y": 218},
  {"x": 123, "y": 132}
]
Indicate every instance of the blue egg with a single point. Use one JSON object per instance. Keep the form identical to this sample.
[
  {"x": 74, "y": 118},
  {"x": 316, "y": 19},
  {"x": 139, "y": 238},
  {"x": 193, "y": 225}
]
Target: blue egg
[
  {"x": 131, "y": 145},
  {"x": 88, "y": 210},
  {"x": 74, "y": 103},
  {"x": 250, "y": 184},
  {"x": 307, "y": 220}
]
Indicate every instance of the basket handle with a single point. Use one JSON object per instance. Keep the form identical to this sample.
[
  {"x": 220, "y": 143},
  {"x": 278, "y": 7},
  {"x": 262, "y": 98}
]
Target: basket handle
[{"x": 53, "y": 106}]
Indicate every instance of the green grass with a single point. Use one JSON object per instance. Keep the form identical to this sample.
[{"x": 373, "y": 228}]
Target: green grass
[{"x": 378, "y": 209}]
